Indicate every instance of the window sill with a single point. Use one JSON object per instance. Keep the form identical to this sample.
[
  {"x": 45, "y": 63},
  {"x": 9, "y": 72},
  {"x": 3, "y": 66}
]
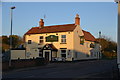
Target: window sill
[
  {"x": 81, "y": 44},
  {"x": 40, "y": 44},
  {"x": 63, "y": 43}
]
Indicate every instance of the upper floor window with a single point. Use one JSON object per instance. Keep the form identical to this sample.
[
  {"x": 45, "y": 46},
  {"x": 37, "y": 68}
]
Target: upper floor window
[
  {"x": 82, "y": 40},
  {"x": 92, "y": 45},
  {"x": 29, "y": 41},
  {"x": 87, "y": 44},
  {"x": 41, "y": 40},
  {"x": 63, "y": 38}
]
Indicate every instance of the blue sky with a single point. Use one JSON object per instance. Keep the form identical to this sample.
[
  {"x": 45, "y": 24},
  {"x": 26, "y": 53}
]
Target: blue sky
[{"x": 94, "y": 16}]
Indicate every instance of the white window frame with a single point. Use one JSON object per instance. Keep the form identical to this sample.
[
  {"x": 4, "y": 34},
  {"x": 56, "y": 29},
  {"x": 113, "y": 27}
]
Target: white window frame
[
  {"x": 76, "y": 54},
  {"x": 29, "y": 41},
  {"x": 41, "y": 39},
  {"x": 63, "y": 53},
  {"x": 63, "y": 39}
]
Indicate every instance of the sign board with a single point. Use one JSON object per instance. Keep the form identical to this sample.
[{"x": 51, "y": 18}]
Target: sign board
[{"x": 52, "y": 38}]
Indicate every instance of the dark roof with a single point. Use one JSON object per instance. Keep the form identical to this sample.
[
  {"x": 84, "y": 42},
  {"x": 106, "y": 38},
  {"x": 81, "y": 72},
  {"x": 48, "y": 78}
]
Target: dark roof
[
  {"x": 52, "y": 29},
  {"x": 51, "y": 46},
  {"x": 88, "y": 36}
]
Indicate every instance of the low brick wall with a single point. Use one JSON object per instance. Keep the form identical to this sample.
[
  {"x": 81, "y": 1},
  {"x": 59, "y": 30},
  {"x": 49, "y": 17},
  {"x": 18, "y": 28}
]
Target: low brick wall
[{"x": 23, "y": 63}]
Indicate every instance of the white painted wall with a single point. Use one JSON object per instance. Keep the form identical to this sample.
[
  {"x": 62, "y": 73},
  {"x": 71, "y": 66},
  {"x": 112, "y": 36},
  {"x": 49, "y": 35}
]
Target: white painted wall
[
  {"x": 72, "y": 44},
  {"x": 83, "y": 50},
  {"x": 15, "y": 54},
  {"x": 31, "y": 48}
]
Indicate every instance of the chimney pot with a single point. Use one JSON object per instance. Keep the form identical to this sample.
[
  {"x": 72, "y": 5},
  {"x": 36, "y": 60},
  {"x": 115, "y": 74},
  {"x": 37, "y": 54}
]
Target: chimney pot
[
  {"x": 77, "y": 20},
  {"x": 41, "y": 23}
]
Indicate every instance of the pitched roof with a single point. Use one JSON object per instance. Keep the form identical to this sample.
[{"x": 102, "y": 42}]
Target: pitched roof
[
  {"x": 59, "y": 28},
  {"x": 51, "y": 46},
  {"x": 52, "y": 29},
  {"x": 88, "y": 36}
]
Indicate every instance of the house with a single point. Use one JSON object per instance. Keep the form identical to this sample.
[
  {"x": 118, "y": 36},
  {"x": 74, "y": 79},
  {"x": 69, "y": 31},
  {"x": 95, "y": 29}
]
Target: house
[{"x": 64, "y": 42}]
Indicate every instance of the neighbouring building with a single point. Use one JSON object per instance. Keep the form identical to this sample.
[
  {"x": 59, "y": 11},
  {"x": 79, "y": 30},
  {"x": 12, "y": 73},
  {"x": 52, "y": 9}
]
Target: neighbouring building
[{"x": 61, "y": 42}]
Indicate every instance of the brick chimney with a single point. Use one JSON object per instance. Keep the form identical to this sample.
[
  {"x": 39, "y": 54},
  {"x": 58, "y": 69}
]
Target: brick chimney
[
  {"x": 41, "y": 23},
  {"x": 77, "y": 20}
]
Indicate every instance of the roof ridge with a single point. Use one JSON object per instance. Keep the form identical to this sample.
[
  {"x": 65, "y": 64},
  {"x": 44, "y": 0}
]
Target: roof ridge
[
  {"x": 52, "y": 28},
  {"x": 55, "y": 25},
  {"x": 85, "y": 31}
]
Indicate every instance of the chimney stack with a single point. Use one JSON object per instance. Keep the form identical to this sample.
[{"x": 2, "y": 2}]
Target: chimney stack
[
  {"x": 77, "y": 20},
  {"x": 41, "y": 23}
]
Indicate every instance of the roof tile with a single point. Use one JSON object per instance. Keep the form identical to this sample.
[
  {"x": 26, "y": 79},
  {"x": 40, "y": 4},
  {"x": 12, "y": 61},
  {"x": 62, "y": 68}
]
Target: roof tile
[
  {"x": 52, "y": 29},
  {"x": 88, "y": 36},
  {"x": 59, "y": 28}
]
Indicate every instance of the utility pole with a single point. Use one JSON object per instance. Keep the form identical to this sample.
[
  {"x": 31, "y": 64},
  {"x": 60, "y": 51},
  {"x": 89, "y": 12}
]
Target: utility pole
[{"x": 100, "y": 53}]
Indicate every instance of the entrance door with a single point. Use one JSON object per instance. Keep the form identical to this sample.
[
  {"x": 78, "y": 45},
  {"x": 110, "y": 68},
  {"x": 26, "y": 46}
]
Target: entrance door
[{"x": 47, "y": 56}]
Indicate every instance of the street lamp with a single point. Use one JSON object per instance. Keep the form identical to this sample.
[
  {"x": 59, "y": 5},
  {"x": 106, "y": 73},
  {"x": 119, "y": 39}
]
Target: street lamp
[
  {"x": 11, "y": 14},
  {"x": 118, "y": 48}
]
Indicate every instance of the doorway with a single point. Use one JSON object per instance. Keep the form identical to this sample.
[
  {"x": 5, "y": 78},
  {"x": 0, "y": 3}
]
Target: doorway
[{"x": 47, "y": 55}]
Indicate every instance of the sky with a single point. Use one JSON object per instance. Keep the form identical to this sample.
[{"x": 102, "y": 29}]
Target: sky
[{"x": 94, "y": 16}]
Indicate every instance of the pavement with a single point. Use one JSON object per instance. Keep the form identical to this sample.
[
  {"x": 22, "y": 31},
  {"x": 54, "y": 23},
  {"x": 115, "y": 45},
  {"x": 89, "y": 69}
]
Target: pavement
[{"x": 93, "y": 69}]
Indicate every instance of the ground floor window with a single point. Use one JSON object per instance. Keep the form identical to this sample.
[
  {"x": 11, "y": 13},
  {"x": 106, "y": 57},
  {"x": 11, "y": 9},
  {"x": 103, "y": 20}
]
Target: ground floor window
[
  {"x": 91, "y": 54},
  {"x": 40, "y": 54},
  {"x": 87, "y": 55},
  {"x": 76, "y": 54},
  {"x": 95, "y": 54},
  {"x": 63, "y": 53}
]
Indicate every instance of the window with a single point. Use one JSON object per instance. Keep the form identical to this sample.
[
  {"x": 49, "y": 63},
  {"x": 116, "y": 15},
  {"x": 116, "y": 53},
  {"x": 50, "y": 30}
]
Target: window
[
  {"x": 91, "y": 54},
  {"x": 87, "y": 45},
  {"x": 76, "y": 54},
  {"x": 82, "y": 40},
  {"x": 63, "y": 38},
  {"x": 29, "y": 41},
  {"x": 40, "y": 54},
  {"x": 69, "y": 54},
  {"x": 63, "y": 53},
  {"x": 87, "y": 55},
  {"x": 95, "y": 54},
  {"x": 41, "y": 39},
  {"x": 92, "y": 45}
]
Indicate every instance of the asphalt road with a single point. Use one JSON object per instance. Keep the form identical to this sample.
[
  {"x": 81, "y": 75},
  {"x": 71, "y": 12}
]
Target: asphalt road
[{"x": 81, "y": 69}]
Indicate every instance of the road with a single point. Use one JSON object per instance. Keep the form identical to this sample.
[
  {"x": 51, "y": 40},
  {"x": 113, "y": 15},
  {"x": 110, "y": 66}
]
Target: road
[{"x": 81, "y": 69}]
